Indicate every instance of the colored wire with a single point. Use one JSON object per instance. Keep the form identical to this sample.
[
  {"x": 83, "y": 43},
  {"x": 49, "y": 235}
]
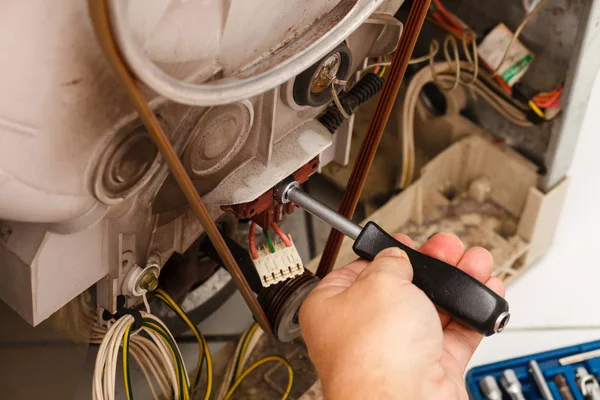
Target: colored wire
[
  {"x": 555, "y": 104},
  {"x": 518, "y": 32},
  {"x": 444, "y": 14},
  {"x": 204, "y": 352},
  {"x": 536, "y": 109},
  {"x": 257, "y": 364},
  {"x": 375, "y": 66},
  {"x": 248, "y": 340},
  {"x": 286, "y": 240},
  {"x": 448, "y": 21},
  {"x": 251, "y": 241},
  {"x": 154, "y": 326},
  {"x": 378, "y": 65},
  {"x": 269, "y": 241},
  {"x": 239, "y": 362},
  {"x": 126, "y": 375},
  {"x": 550, "y": 95},
  {"x": 545, "y": 100}
]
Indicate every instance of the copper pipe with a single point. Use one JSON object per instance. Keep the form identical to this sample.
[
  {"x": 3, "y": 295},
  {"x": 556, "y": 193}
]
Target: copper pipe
[
  {"x": 363, "y": 162},
  {"x": 99, "y": 13}
]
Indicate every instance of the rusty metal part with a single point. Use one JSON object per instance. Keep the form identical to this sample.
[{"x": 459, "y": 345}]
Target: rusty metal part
[
  {"x": 413, "y": 25},
  {"x": 326, "y": 73},
  {"x": 102, "y": 28},
  {"x": 282, "y": 302},
  {"x": 267, "y": 209}
]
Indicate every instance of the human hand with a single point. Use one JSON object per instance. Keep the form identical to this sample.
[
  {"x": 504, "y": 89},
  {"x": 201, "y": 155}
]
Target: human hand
[{"x": 372, "y": 334}]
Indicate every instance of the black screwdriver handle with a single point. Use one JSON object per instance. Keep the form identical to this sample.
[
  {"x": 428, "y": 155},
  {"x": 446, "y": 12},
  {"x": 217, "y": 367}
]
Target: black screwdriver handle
[{"x": 457, "y": 293}]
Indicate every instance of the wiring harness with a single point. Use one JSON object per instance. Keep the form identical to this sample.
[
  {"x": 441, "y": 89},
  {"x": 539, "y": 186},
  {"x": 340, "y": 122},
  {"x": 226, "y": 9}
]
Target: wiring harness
[
  {"x": 145, "y": 338},
  {"x": 156, "y": 353}
]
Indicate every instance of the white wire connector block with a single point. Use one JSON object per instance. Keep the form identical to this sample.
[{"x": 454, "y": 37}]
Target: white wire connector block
[{"x": 277, "y": 267}]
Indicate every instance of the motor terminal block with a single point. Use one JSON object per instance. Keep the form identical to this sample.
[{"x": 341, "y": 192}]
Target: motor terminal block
[{"x": 285, "y": 263}]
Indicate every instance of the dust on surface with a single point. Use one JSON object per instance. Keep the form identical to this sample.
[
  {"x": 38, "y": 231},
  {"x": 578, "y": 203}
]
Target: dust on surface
[{"x": 484, "y": 224}]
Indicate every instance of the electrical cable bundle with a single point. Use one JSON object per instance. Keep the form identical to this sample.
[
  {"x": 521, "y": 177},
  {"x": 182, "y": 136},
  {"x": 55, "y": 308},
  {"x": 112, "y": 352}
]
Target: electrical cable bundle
[
  {"x": 448, "y": 21},
  {"x": 453, "y": 72},
  {"x": 549, "y": 100},
  {"x": 484, "y": 86},
  {"x": 159, "y": 338},
  {"x": 146, "y": 339},
  {"x": 203, "y": 350},
  {"x": 156, "y": 353}
]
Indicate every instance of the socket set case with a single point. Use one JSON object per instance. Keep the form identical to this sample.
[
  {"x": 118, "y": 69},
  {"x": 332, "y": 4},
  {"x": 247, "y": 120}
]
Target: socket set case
[{"x": 550, "y": 367}]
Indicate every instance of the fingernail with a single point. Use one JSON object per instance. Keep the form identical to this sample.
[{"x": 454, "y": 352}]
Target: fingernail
[{"x": 393, "y": 252}]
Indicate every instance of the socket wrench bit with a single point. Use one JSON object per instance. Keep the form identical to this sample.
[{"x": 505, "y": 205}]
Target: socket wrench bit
[
  {"x": 563, "y": 387},
  {"x": 511, "y": 384},
  {"x": 540, "y": 381},
  {"x": 490, "y": 389},
  {"x": 588, "y": 384}
]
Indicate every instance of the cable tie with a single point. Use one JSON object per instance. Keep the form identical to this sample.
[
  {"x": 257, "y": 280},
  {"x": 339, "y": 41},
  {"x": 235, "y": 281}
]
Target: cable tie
[{"x": 136, "y": 314}]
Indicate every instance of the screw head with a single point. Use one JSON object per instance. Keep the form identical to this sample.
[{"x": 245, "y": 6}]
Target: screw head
[{"x": 148, "y": 281}]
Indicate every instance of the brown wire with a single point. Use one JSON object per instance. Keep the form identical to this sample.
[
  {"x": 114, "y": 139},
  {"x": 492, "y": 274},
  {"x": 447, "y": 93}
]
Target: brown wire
[
  {"x": 413, "y": 25},
  {"x": 101, "y": 21}
]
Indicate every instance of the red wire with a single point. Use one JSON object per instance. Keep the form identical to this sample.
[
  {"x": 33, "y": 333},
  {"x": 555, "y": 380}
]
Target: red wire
[
  {"x": 251, "y": 243},
  {"x": 555, "y": 104},
  {"x": 445, "y": 14},
  {"x": 378, "y": 68},
  {"x": 545, "y": 100},
  {"x": 282, "y": 235},
  {"x": 457, "y": 32}
]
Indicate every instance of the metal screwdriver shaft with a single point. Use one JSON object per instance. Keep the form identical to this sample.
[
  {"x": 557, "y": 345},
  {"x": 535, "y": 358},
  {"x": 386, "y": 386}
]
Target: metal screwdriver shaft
[{"x": 292, "y": 192}]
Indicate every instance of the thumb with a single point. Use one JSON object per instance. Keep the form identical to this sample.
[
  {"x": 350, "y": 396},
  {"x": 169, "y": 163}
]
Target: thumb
[{"x": 391, "y": 263}]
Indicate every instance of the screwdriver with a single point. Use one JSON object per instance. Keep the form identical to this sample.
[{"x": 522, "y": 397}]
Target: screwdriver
[{"x": 460, "y": 295}]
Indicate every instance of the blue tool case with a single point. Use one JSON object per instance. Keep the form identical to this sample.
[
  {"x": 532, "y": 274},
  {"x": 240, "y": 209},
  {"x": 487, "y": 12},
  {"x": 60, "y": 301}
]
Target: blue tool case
[{"x": 550, "y": 367}]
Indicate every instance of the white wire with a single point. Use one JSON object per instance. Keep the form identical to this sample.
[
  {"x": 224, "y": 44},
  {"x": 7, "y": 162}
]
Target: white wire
[
  {"x": 159, "y": 321},
  {"x": 375, "y": 65},
  {"x": 338, "y": 104},
  {"x": 167, "y": 361},
  {"x": 144, "y": 369},
  {"x": 432, "y": 53},
  {"x": 450, "y": 41},
  {"x": 229, "y": 372},
  {"x": 419, "y": 80},
  {"x": 518, "y": 33},
  {"x": 146, "y": 303},
  {"x": 100, "y": 386},
  {"x": 150, "y": 356}
]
